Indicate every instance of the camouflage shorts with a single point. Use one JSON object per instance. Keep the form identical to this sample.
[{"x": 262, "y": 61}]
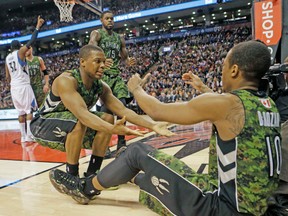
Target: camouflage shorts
[{"x": 51, "y": 129}]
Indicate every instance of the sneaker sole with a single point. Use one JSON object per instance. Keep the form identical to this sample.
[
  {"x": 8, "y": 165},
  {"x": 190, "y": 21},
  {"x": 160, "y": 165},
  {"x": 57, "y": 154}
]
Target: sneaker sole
[
  {"x": 113, "y": 188},
  {"x": 64, "y": 190},
  {"x": 59, "y": 187}
]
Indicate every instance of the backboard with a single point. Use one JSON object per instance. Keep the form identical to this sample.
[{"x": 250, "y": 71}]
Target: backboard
[
  {"x": 66, "y": 6},
  {"x": 95, "y": 6}
]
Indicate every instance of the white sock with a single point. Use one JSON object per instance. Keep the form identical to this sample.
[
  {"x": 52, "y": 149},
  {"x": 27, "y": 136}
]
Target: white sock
[
  {"x": 28, "y": 128},
  {"x": 22, "y": 129}
]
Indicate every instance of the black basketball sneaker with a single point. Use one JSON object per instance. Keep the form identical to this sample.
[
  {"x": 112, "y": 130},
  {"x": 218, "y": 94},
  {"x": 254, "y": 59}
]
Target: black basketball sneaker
[{"x": 71, "y": 185}]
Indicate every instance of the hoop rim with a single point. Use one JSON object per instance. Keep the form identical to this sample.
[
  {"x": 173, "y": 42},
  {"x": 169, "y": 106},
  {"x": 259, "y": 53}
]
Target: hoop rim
[
  {"x": 71, "y": 1},
  {"x": 66, "y": 1}
]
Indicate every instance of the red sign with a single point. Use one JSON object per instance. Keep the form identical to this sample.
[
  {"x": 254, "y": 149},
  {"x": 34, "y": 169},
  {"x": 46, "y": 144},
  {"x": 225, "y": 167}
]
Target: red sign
[{"x": 268, "y": 21}]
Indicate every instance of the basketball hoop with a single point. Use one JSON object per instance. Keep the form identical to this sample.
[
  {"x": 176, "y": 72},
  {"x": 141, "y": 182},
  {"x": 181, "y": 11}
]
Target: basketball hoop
[{"x": 65, "y": 7}]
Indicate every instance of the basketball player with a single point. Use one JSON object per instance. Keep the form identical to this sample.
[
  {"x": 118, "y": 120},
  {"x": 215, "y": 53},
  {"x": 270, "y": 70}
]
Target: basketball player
[
  {"x": 17, "y": 75},
  {"x": 115, "y": 50},
  {"x": 282, "y": 105},
  {"x": 64, "y": 121},
  {"x": 37, "y": 70},
  {"x": 247, "y": 143}
]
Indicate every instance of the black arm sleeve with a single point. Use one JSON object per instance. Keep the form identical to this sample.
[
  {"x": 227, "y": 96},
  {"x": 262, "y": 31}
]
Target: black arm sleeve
[
  {"x": 45, "y": 72},
  {"x": 33, "y": 38}
]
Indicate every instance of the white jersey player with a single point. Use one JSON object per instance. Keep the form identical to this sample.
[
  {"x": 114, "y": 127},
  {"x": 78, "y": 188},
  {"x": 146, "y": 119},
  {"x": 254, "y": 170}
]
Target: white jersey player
[{"x": 17, "y": 75}]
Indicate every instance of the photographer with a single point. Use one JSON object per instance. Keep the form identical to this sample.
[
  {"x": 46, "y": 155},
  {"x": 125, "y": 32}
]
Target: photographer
[{"x": 282, "y": 105}]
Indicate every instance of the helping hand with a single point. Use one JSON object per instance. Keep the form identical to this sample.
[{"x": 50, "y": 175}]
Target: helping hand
[
  {"x": 161, "y": 129},
  {"x": 134, "y": 82},
  {"x": 121, "y": 129},
  {"x": 193, "y": 80},
  {"x": 146, "y": 79}
]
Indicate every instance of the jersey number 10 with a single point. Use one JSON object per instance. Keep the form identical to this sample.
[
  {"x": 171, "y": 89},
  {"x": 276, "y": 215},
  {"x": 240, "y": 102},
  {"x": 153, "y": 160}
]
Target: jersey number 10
[{"x": 277, "y": 149}]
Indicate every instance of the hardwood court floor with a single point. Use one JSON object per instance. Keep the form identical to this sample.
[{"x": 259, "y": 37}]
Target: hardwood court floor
[{"x": 25, "y": 189}]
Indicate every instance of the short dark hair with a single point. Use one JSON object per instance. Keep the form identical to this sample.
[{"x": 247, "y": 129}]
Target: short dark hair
[
  {"x": 252, "y": 57},
  {"x": 15, "y": 45},
  {"x": 87, "y": 49},
  {"x": 105, "y": 12}
]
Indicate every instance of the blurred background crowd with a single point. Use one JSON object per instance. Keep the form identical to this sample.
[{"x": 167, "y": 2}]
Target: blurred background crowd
[{"x": 202, "y": 52}]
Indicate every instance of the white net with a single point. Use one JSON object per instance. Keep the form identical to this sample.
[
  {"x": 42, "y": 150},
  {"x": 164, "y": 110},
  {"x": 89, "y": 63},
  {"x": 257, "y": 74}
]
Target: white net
[{"x": 65, "y": 8}]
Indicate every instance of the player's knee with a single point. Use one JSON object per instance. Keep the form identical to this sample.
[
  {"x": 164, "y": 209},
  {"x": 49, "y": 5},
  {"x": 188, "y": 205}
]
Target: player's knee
[
  {"x": 139, "y": 149},
  {"x": 79, "y": 128}
]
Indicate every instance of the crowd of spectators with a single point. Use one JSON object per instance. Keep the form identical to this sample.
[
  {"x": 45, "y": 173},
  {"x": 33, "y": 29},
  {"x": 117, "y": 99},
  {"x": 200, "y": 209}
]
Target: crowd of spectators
[
  {"x": 202, "y": 54},
  {"x": 20, "y": 20}
]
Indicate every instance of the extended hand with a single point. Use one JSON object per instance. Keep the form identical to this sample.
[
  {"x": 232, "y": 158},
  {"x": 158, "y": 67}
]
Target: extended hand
[
  {"x": 108, "y": 63},
  {"x": 134, "y": 82},
  {"x": 121, "y": 129},
  {"x": 193, "y": 80},
  {"x": 145, "y": 79},
  {"x": 161, "y": 128}
]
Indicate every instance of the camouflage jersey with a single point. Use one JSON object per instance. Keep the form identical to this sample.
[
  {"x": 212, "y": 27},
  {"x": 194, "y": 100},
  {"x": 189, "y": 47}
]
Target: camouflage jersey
[
  {"x": 248, "y": 165},
  {"x": 111, "y": 45},
  {"x": 54, "y": 103},
  {"x": 36, "y": 79}
]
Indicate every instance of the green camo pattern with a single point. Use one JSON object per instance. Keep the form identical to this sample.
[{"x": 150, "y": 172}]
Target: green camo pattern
[
  {"x": 117, "y": 85},
  {"x": 253, "y": 183},
  {"x": 88, "y": 138},
  {"x": 61, "y": 112},
  {"x": 201, "y": 180},
  {"x": 89, "y": 96},
  {"x": 212, "y": 166},
  {"x": 36, "y": 79},
  {"x": 111, "y": 45}
]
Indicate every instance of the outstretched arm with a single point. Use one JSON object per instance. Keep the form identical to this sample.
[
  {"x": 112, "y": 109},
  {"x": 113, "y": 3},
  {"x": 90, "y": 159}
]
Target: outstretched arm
[
  {"x": 22, "y": 51},
  {"x": 210, "y": 106},
  {"x": 117, "y": 107},
  {"x": 65, "y": 86}
]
